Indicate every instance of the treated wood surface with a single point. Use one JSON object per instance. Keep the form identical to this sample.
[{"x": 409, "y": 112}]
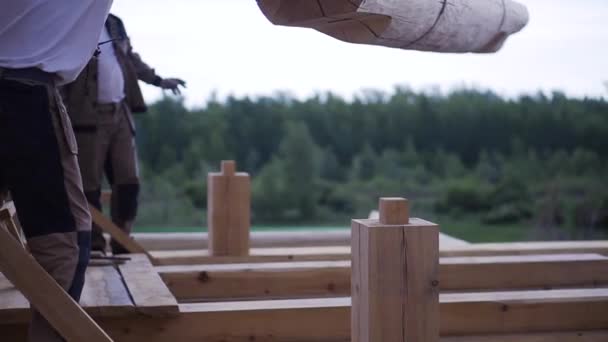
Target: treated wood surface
[
  {"x": 281, "y": 239},
  {"x": 149, "y": 293},
  {"x": 332, "y": 278},
  {"x": 333, "y": 253},
  {"x": 67, "y": 317},
  {"x": 116, "y": 233},
  {"x": 104, "y": 295},
  {"x": 395, "y": 277},
  {"x": 228, "y": 211},
  {"x": 329, "y": 319}
]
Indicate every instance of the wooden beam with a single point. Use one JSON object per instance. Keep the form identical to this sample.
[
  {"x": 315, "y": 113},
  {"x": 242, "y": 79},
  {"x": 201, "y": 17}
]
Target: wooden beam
[
  {"x": 65, "y": 315},
  {"x": 282, "y": 239},
  {"x": 228, "y": 211},
  {"x": 329, "y": 319},
  {"x": 332, "y": 278},
  {"x": 533, "y": 316},
  {"x": 395, "y": 277},
  {"x": 116, "y": 233},
  {"x": 150, "y": 294},
  {"x": 194, "y": 257}
]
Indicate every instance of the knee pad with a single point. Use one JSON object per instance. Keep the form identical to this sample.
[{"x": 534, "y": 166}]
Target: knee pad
[
  {"x": 126, "y": 201},
  {"x": 94, "y": 198}
]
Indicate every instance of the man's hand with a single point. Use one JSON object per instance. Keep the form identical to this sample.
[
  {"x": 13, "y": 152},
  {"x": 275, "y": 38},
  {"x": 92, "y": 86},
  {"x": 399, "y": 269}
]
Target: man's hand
[{"x": 172, "y": 84}]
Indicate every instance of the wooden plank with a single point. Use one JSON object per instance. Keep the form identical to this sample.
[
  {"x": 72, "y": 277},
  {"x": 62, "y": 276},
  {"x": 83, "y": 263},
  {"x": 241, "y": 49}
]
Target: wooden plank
[
  {"x": 329, "y": 319},
  {"x": 299, "y": 238},
  {"x": 104, "y": 293},
  {"x": 539, "y": 316},
  {"x": 116, "y": 233},
  {"x": 149, "y": 293},
  {"x": 332, "y": 278},
  {"x": 65, "y": 315},
  {"x": 228, "y": 211},
  {"x": 332, "y": 253}
]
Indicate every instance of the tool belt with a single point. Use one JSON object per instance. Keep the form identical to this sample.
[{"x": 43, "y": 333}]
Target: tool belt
[{"x": 33, "y": 75}]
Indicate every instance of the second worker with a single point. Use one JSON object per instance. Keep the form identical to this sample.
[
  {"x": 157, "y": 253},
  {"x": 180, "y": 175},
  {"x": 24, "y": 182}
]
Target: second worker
[{"x": 100, "y": 103}]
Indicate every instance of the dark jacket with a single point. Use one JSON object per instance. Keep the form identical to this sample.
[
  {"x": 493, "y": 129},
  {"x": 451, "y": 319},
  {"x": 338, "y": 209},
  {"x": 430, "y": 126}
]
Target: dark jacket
[{"x": 80, "y": 96}]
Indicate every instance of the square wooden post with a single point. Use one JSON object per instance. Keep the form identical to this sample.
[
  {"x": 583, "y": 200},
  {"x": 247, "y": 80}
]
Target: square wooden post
[
  {"x": 395, "y": 272},
  {"x": 228, "y": 211}
]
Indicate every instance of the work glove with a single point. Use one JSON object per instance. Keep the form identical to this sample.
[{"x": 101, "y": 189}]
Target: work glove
[{"x": 172, "y": 84}]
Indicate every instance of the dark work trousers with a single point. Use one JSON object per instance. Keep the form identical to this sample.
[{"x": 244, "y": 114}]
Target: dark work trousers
[
  {"x": 38, "y": 164},
  {"x": 109, "y": 147}
]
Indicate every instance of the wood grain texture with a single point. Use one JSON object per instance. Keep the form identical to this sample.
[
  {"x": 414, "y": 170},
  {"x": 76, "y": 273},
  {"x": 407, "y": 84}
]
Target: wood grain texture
[
  {"x": 396, "y": 294},
  {"x": 228, "y": 211},
  {"x": 66, "y": 316},
  {"x": 149, "y": 293},
  {"x": 332, "y": 278},
  {"x": 116, "y": 233}
]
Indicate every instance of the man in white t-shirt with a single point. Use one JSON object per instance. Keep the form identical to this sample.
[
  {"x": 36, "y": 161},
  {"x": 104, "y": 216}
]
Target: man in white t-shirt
[
  {"x": 100, "y": 103},
  {"x": 43, "y": 44}
]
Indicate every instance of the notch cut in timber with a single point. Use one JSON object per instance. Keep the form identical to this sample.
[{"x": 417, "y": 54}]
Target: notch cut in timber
[
  {"x": 395, "y": 272},
  {"x": 229, "y": 211},
  {"x": 60, "y": 310}
]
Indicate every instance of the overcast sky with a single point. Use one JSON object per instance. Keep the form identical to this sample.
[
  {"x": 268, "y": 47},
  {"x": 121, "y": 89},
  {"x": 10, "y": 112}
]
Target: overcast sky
[{"x": 229, "y": 47}]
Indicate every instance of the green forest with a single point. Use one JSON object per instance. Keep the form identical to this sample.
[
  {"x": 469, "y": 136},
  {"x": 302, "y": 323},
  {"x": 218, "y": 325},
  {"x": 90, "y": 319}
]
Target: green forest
[{"x": 485, "y": 167}]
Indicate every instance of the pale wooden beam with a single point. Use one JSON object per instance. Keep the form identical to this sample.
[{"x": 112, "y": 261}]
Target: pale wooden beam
[
  {"x": 117, "y": 234},
  {"x": 228, "y": 211},
  {"x": 395, "y": 277},
  {"x": 65, "y": 315},
  {"x": 332, "y": 278}
]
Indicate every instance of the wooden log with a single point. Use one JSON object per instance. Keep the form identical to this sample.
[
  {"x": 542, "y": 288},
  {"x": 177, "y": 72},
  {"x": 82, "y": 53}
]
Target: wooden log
[
  {"x": 60, "y": 310},
  {"x": 329, "y": 319},
  {"x": 533, "y": 316},
  {"x": 395, "y": 277},
  {"x": 196, "y": 257},
  {"x": 228, "y": 211},
  {"x": 332, "y": 278},
  {"x": 150, "y": 294},
  {"x": 440, "y": 26}
]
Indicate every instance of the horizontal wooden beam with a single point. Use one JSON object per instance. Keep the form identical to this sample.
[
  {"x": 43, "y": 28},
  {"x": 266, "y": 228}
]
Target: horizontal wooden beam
[
  {"x": 332, "y": 278},
  {"x": 297, "y": 238},
  {"x": 333, "y": 253},
  {"x": 541, "y": 316}
]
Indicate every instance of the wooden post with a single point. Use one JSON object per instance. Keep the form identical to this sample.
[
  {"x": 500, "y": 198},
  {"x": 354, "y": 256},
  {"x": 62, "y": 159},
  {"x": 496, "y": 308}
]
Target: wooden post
[
  {"x": 228, "y": 211},
  {"x": 395, "y": 287}
]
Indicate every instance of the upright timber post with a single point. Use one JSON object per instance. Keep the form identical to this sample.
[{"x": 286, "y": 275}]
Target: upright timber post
[
  {"x": 228, "y": 211},
  {"x": 395, "y": 269}
]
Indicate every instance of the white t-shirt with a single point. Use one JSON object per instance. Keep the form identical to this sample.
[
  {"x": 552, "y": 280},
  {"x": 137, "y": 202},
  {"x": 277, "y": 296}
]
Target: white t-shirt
[
  {"x": 110, "y": 80},
  {"x": 57, "y": 36}
]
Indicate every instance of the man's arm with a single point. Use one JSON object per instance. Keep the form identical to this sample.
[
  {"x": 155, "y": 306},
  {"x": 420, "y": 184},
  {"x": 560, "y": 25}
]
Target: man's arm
[{"x": 148, "y": 75}]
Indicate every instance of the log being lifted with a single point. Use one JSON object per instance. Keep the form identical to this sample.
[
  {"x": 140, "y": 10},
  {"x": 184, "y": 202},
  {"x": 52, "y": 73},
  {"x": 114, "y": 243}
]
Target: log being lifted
[{"x": 426, "y": 25}]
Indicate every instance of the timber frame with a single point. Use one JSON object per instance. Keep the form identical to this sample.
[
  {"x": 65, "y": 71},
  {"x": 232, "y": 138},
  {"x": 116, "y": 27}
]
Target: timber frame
[{"x": 294, "y": 289}]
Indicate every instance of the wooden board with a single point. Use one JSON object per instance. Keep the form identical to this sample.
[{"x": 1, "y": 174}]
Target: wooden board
[
  {"x": 332, "y": 253},
  {"x": 329, "y": 319},
  {"x": 104, "y": 295},
  {"x": 149, "y": 293},
  {"x": 281, "y": 239},
  {"x": 116, "y": 233},
  {"x": 67, "y": 317},
  {"x": 332, "y": 278}
]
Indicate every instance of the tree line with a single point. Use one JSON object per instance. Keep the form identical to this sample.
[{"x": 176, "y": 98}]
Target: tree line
[{"x": 539, "y": 159}]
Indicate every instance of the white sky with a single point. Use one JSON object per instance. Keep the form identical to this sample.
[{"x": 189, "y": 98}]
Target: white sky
[{"x": 229, "y": 47}]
